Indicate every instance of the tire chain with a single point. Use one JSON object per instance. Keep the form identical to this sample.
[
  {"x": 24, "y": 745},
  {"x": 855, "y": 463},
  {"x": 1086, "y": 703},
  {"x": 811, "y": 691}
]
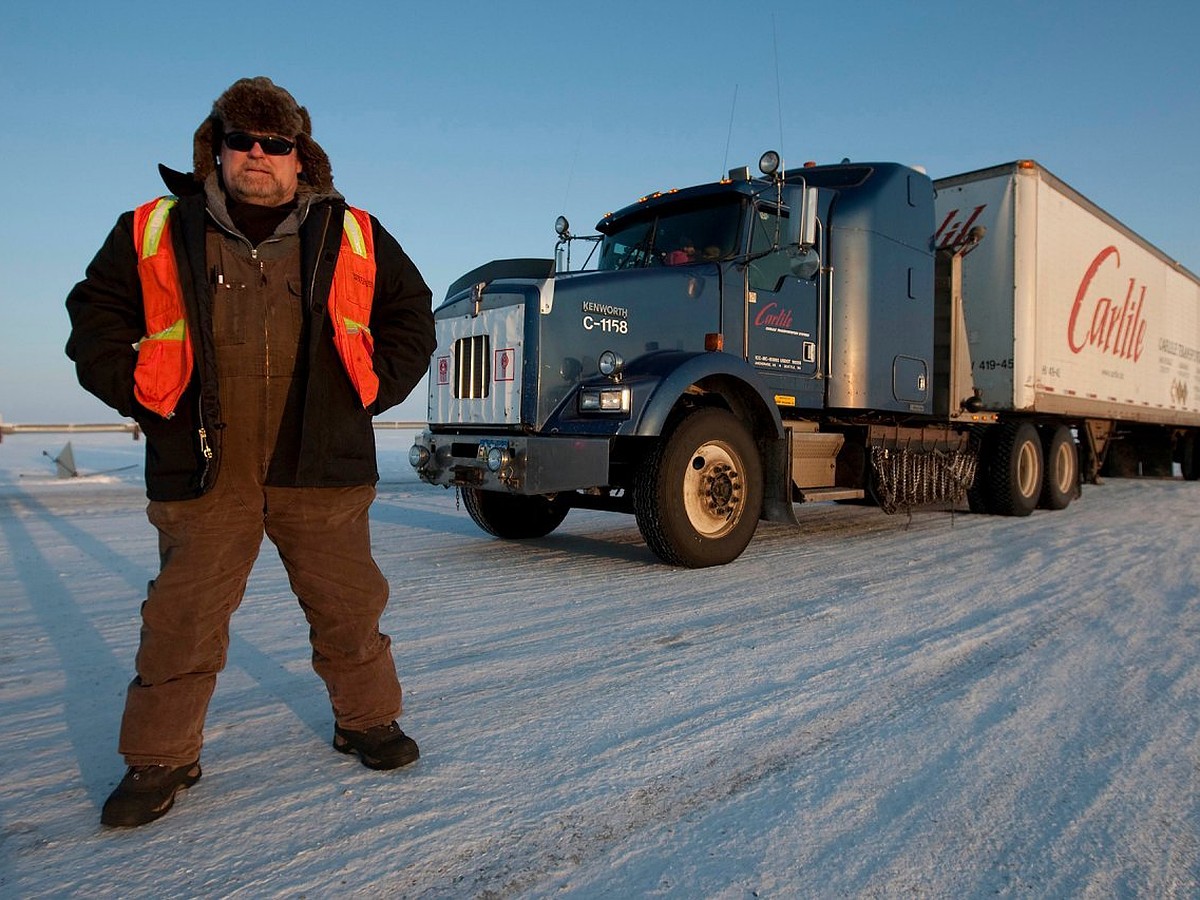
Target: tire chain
[{"x": 906, "y": 478}]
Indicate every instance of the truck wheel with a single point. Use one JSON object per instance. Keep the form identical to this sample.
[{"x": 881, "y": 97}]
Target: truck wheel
[
  {"x": 698, "y": 496},
  {"x": 1014, "y": 477},
  {"x": 514, "y": 516},
  {"x": 1062, "y": 467}
]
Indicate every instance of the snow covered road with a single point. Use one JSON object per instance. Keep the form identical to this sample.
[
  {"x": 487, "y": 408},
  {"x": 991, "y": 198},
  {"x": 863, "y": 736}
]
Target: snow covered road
[{"x": 951, "y": 705}]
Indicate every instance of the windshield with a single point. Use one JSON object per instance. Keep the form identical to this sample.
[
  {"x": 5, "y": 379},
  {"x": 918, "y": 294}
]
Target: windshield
[{"x": 674, "y": 235}]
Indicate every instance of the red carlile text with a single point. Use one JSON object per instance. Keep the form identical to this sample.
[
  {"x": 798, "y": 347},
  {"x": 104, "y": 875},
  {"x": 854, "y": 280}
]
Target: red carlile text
[
  {"x": 951, "y": 232},
  {"x": 1115, "y": 329},
  {"x": 773, "y": 315}
]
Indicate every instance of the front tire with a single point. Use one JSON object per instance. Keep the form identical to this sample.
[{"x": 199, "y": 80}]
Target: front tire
[
  {"x": 515, "y": 516},
  {"x": 698, "y": 496}
]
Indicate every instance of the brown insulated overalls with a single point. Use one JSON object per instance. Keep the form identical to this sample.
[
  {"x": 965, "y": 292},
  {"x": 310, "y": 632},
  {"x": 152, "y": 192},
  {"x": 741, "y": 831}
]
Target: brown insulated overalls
[{"x": 207, "y": 546}]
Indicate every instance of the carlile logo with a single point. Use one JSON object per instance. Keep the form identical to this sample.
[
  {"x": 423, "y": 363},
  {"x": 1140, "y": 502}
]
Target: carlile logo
[
  {"x": 953, "y": 232},
  {"x": 1115, "y": 329},
  {"x": 774, "y": 316}
]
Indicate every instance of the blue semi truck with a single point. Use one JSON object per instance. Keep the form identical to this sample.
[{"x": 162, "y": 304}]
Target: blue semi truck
[{"x": 732, "y": 349}]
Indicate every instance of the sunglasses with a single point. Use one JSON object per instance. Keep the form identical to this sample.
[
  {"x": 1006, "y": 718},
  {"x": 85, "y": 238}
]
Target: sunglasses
[{"x": 242, "y": 142}]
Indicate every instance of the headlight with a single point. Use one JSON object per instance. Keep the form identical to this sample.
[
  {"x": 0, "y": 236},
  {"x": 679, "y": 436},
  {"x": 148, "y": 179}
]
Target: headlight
[{"x": 614, "y": 399}]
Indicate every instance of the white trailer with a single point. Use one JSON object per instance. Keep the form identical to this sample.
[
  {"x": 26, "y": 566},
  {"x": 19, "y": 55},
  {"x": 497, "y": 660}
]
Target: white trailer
[{"x": 1071, "y": 316}]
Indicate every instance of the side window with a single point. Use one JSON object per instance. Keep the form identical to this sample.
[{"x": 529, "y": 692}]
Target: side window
[{"x": 767, "y": 272}]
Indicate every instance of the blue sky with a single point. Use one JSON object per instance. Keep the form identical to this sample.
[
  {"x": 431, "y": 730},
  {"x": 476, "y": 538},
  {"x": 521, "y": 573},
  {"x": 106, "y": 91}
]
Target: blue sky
[{"x": 469, "y": 127}]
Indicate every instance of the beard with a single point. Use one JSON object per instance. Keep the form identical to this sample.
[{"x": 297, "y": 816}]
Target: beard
[{"x": 258, "y": 186}]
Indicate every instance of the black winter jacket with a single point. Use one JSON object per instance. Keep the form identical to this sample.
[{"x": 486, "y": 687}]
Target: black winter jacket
[{"x": 332, "y": 442}]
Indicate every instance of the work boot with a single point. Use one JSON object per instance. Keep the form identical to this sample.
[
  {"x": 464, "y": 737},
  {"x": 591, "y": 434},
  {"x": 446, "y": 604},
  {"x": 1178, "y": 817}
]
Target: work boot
[
  {"x": 146, "y": 793},
  {"x": 379, "y": 747}
]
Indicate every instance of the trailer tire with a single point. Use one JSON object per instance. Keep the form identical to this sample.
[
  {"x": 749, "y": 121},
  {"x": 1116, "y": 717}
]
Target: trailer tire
[
  {"x": 1061, "y": 483},
  {"x": 977, "y": 494},
  {"x": 1121, "y": 461},
  {"x": 1189, "y": 464},
  {"x": 515, "y": 516},
  {"x": 1015, "y": 466},
  {"x": 698, "y": 496}
]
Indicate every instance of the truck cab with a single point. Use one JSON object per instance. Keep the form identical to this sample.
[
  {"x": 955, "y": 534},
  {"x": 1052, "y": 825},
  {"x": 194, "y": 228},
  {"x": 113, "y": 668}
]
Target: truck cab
[{"x": 728, "y": 355}]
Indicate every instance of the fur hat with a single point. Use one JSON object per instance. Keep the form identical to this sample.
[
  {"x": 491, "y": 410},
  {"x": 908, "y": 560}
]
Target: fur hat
[{"x": 260, "y": 106}]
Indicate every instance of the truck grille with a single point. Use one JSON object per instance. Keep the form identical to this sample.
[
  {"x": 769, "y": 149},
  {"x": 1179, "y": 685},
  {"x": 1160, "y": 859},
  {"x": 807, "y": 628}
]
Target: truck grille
[
  {"x": 472, "y": 367},
  {"x": 477, "y": 371}
]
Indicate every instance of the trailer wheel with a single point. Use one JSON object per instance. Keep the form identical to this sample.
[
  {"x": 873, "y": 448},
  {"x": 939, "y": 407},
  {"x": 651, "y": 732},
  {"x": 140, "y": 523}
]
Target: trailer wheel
[
  {"x": 1061, "y": 482},
  {"x": 1121, "y": 461},
  {"x": 1190, "y": 463},
  {"x": 698, "y": 495},
  {"x": 515, "y": 516},
  {"x": 1014, "y": 479},
  {"x": 977, "y": 496}
]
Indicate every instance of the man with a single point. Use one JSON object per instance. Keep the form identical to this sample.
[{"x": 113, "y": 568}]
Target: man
[{"x": 252, "y": 325}]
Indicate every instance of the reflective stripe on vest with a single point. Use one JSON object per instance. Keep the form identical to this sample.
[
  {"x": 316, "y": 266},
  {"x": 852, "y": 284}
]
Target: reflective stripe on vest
[
  {"x": 164, "y": 355},
  {"x": 165, "y": 359},
  {"x": 350, "y": 303}
]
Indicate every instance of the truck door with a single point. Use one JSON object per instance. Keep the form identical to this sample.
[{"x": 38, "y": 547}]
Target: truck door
[{"x": 783, "y": 321}]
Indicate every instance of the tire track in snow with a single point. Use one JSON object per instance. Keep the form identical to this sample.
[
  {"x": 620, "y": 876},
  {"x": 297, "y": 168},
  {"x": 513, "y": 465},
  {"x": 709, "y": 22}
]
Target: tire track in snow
[{"x": 517, "y": 864}]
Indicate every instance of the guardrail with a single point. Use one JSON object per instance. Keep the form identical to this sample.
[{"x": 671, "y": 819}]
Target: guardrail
[
  {"x": 134, "y": 429},
  {"x": 130, "y": 427}
]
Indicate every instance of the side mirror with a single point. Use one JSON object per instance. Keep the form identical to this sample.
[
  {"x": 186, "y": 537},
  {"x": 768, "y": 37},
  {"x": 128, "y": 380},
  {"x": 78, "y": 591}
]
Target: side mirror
[
  {"x": 803, "y": 261},
  {"x": 802, "y": 227},
  {"x": 808, "y": 217}
]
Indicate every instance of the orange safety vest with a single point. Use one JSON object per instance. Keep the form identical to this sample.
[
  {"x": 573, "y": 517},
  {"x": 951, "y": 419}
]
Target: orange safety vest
[{"x": 165, "y": 356}]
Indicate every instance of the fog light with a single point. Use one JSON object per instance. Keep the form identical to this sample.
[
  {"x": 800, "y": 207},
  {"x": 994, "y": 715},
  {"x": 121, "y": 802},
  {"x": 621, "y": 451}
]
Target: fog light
[
  {"x": 610, "y": 364},
  {"x": 497, "y": 457},
  {"x": 418, "y": 456},
  {"x": 769, "y": 163}
]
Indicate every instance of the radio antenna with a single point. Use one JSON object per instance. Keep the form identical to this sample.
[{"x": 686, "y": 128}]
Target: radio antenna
[
  {"x": 729, "y": 135},
  {"x": 778, "y": 90},
  {"x": 571, "y": 170}
]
